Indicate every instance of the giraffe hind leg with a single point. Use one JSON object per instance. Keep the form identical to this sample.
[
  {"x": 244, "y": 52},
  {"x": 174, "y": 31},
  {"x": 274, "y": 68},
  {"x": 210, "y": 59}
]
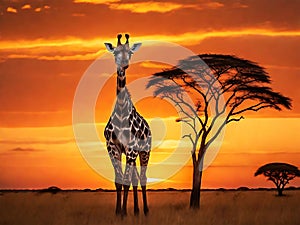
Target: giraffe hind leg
[
  {"x": 144, "y": 189},
  {"x": 144, "y": 158}
]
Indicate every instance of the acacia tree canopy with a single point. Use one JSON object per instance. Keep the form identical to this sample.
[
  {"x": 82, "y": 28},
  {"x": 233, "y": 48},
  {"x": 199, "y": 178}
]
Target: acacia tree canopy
[
  {"x": 279, "y": 173},
  {"x": 207, "y": 78}
]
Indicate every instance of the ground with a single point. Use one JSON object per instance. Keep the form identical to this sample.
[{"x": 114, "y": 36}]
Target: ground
[{"x": 89, "y": 208}]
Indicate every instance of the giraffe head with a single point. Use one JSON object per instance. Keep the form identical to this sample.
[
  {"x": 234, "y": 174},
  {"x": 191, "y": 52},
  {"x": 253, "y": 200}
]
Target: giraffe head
[{"x": 122, "y": 52}]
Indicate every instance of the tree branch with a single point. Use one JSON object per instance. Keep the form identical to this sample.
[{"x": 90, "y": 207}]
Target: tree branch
[
  {"x": 191, "y": 139},
  {"x": 189, "y": 106},
  {"x": 235, "y": 119},
  {"x": 255, "y": 108}
]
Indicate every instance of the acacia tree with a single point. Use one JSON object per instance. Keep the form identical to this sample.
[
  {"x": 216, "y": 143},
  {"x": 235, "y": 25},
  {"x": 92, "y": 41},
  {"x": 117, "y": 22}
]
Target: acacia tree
[
  {"x": 279, "y": 173},
  {"x": 222, "y": 89}
]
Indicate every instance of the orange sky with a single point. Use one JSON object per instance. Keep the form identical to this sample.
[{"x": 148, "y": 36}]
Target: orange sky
[{"x": 46, "y": 46}]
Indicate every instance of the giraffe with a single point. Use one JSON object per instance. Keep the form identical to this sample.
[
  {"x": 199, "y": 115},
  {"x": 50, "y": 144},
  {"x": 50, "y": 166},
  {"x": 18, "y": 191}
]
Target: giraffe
[{"x": 127, "y": 132}]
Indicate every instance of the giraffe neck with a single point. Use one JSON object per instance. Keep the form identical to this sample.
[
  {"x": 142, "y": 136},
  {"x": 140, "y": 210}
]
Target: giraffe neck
[
  {"x": 123, "y": 105},
  {"x": 121, "y": 81}
]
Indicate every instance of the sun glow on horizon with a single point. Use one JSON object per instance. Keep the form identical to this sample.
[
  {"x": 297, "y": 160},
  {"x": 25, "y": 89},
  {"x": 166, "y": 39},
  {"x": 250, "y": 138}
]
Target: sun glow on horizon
[{"x": 43, "y": 153}]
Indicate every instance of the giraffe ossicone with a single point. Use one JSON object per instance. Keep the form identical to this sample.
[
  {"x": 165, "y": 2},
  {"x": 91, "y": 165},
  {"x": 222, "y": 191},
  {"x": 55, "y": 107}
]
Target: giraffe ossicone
[
  {"x": 127, "y": 132},
  {"x": 122, "y": 52}
]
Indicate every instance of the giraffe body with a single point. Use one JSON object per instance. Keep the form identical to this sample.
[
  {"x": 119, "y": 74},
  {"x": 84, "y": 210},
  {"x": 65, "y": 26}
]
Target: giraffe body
[{"x": 127, "y": 132}]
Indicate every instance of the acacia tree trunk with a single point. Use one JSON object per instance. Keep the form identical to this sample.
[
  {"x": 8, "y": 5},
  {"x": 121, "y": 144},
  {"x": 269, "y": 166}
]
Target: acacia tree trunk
[
  {"x": 197, "y": 178},
  {"x": 195, "y": 194},
  {"x": 279, "y": 190}
]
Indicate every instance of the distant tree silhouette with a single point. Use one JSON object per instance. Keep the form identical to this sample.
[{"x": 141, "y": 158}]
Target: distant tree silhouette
[
  {"x": 243, "y": 84},
  {"x": 279, "y": 173},
  {"x": 52, "y": 189}
]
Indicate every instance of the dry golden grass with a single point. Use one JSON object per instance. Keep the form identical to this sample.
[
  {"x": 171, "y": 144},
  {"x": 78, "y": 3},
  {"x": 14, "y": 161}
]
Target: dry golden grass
[{"x": 88, "y": 208}]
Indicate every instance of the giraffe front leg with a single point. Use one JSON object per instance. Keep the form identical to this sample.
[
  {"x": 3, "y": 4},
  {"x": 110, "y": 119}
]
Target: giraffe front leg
[
  {"x": 135, "y": 181},
  {"x": 119, "y": 195},
  {"x": 118, "y": 184},
  {"x": 116, "y": 162},
  {"x": 125, "y": 196},
  {"x": 127, "y": 177}
]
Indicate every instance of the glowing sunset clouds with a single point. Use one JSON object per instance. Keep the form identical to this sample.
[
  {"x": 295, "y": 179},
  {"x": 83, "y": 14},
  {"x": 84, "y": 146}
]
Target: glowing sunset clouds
[{"x": 46, "y": 46}]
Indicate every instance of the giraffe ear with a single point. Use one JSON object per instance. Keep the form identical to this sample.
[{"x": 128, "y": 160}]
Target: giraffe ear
[
  {"x": 135, "y": 47},
  {"x": 109, "y": 47}
]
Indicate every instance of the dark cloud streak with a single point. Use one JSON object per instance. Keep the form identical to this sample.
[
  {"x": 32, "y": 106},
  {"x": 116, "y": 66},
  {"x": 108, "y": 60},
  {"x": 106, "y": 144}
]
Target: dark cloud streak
[
  {"x": 19, "y": 149},
  {"x": 30, "y": 142}
]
